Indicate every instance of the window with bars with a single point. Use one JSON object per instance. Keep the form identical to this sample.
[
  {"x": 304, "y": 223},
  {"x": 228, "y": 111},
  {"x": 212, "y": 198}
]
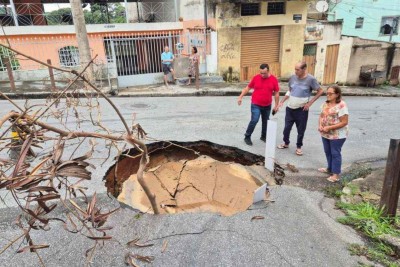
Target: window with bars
[
  {"x": 389, "y": 25},
  {"x": 250, "y": 9},
  {"x": 310, "y": 50},
  {"x": 276, "y": 8},
  {"x": 359, "y": 22},
  {"x": 69, "y": 56},
  {"x": 7, "y": 55}
]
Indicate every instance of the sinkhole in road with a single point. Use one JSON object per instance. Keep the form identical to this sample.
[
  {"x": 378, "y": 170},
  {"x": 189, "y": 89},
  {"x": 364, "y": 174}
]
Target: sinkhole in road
[{"x": 187, "y": 177}]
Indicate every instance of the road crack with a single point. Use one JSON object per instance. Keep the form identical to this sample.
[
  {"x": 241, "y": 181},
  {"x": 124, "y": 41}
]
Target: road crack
[
  {"x": 224, "y": 230},
  {"x": 162, "y": 185},
  {"x": 215, "y": 184},
  {"x": 179, "y": 179}
]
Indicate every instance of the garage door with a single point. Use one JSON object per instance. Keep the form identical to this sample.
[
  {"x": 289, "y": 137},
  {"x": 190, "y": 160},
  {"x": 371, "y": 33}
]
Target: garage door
[{"x": 259, "y": 45}]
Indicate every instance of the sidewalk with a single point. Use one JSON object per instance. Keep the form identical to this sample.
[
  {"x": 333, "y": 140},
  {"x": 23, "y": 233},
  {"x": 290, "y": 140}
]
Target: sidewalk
[
  {"x": 206, "y": 89},
  {"x": 234, "y": 89}
]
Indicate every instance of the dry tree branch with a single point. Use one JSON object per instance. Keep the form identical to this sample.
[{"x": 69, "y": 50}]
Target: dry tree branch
[
  {"x": 44, "y": 182},
  {"x": 36, "y": 60},
  {"x": 80, "y": 76},
  {"x": 11, "y": 243},
  {"x": 140, "y": 173},
  {"x": 65, "y": 90},
  {"x": 62, "y": 133},
  {"x": 12, "y": 102}
]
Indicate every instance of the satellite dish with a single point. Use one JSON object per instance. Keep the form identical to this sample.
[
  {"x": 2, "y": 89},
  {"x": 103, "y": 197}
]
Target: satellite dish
[{"x": 322, "y": 6}]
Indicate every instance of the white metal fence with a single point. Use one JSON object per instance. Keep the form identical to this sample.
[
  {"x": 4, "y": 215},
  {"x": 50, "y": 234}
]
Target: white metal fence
[
  {"x": 157, "y": 12},
  {"x": 135, "y": 54},
  {"x": 36, "y": 13}
]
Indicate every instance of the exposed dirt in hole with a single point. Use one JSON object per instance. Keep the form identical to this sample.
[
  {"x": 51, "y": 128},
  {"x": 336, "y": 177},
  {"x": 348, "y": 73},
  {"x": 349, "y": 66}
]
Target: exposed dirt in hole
[{"x": 214, "y": 180}]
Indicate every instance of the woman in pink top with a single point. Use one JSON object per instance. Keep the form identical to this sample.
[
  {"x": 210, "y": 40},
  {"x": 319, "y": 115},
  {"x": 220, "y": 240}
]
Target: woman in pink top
[{"x": 334, "y": 130}]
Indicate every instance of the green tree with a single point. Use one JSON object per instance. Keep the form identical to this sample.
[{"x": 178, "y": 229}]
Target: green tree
[
  {"x": 96, "y": 15},
  {"x": 117, "y": 12},
  {"x": 59, "y": 16}
]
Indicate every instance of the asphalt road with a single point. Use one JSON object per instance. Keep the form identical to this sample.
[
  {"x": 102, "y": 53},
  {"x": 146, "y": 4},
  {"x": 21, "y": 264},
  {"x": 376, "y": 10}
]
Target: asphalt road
[
  {"x": 299, "y": 228},
  {"x": 373, "y": 121}
]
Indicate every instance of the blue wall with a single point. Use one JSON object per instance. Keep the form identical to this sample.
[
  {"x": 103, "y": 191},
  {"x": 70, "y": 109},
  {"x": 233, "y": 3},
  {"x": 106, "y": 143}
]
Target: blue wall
[{"x": 372, "y": 11}]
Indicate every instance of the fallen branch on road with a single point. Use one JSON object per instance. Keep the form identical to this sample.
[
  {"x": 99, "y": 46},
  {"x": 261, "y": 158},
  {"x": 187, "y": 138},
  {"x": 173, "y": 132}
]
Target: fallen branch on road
[{"x": 39, "y": 184}]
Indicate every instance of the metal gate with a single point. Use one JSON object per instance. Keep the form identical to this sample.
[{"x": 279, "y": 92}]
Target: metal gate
[
  {"x": 259, "y": 45},
  {"x": 138, "y": 58}
]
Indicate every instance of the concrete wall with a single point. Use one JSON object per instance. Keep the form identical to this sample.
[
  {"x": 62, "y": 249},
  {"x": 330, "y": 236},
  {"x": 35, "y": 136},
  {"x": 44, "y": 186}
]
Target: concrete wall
[
  {"x": 332, "y": 36},
  {"x": 292, "y": 43},
  {"x": 369, "y": 52},
  {"x": 229, "y": 25},
  {"x": 101, "y": 73},
  {"x": 212, "y": 60}
]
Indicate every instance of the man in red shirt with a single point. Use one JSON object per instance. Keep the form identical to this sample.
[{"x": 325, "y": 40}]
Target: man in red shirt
[{"x": 265, "y": 86}]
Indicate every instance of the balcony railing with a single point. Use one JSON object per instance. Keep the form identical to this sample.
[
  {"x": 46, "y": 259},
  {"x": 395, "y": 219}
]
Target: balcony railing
[{"x": 26, "y": 14}]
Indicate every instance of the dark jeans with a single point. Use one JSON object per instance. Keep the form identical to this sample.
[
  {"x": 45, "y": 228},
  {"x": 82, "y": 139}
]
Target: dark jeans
[
  {"x": 333, "y": 149},
  {"x": 300, "y": 117},
  {"x": 256, "y": 112}
]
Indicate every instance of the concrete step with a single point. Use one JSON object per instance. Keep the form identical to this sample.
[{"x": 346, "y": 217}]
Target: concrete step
[{"x": 203, "y": 79}]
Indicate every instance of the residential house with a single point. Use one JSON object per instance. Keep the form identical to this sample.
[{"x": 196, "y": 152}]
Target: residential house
[
  {"x": 256, "y": 32},
  {"x": 129, "y": 52},
  {"x": 326, "y": 52},
  {"x": 375, "y": 27},
  {"x": 335, "y": 58},
  {"x": 368, "y": 19},
  {"x": 358, "y": 41}
]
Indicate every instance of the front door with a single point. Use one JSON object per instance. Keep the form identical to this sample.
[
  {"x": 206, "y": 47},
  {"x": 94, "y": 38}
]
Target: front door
[
  {"x": 309, "y": 57},
  {"x": 331, "y": 59}
]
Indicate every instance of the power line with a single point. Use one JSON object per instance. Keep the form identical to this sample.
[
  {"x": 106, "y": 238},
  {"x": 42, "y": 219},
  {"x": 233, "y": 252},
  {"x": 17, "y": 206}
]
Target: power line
[
  {"x": 348, "y": 11},
  {"x": 370, "y": 7}
]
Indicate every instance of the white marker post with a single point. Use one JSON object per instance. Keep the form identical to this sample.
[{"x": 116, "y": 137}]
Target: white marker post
[{"x": 270, "y": 145}]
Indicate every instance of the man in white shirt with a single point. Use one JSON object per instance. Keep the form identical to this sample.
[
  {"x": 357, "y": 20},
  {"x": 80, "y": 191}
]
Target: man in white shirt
[{"x": 301, "y": 86}]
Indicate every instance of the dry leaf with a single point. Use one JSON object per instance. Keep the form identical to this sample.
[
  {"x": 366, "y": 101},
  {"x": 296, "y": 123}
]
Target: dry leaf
[
  {"x": 164, "y": 246},
  {"x": 32, "y": 248},
  {"x": 292, "y": 168},
  {"x": 129, "y": 260},
  {"x": 147, "y": 259},
  {"x": 257, "y": 218},
  {"x": 134, "y": 243},
  {"x": 100, "y": 237}
]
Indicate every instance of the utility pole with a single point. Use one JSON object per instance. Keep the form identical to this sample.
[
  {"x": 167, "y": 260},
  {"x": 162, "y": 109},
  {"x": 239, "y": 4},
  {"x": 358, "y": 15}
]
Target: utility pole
[
  {"x": 205, "y": 15},
  {"x": 82, "y": 37},
  {"x": 394, "y": 24}
]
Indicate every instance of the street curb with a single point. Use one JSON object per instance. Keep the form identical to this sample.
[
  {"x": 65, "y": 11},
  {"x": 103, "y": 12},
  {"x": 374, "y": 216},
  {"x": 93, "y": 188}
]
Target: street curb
[
  {"x": 198, "y": 93},
  {"x": 40, "y": 95}
]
